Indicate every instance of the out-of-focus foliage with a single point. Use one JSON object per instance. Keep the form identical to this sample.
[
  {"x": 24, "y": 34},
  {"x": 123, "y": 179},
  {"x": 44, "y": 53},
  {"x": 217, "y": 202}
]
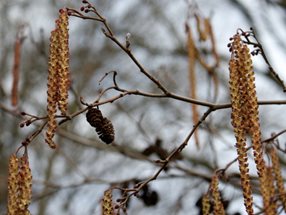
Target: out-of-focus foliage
[{"x": 73, "y": 178}]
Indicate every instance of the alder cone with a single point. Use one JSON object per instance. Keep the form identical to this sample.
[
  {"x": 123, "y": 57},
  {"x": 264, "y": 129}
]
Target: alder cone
[
  {"x": 102, "y": 125},
  {"x": 94, "y": 117}
]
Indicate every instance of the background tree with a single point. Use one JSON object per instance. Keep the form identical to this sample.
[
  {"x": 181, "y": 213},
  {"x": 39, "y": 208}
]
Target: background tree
[{"x": 172, "y": 42}]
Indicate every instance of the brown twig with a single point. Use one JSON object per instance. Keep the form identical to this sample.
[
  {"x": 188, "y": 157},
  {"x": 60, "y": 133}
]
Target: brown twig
[{"x": 259, "y": 50}]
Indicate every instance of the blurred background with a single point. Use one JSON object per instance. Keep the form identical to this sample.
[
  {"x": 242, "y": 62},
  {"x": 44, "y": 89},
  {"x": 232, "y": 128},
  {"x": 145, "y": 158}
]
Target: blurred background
[{"x": 73, "y": 178}]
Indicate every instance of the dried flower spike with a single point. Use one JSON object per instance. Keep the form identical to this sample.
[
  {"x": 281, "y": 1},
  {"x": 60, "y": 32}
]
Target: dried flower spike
[{"x": 103, "y": 126}]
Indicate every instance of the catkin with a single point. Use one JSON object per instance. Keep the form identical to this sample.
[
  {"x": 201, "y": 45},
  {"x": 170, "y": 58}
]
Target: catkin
[
  {"x": 19, "y": 186},
  {"x": 278, "y": 176},
  {"x": 245, "y": 114},
  {"x": 107, "y": 204},
  {"x": 271, "y": 210},
  {"x": 217, "y": 203},
  {"x": 58, "y": 77},
  {"x": 253, "y": 128},
  {"x": 206, "y": 205},
  {"x": 25, "y": 184},
  {"x": 63, "y": 42},
  {"x": 52, "y": 92},
  {"x": 13, "y": 185},
  {"x": 239, "y": 120}
]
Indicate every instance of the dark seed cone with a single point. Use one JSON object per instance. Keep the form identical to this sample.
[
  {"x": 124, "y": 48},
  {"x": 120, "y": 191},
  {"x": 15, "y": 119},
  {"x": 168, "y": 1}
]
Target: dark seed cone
[
  {"x": 94, "y": 117},
  {"x": 105, "y": 131},
  {"x": 103, "y": 126}
]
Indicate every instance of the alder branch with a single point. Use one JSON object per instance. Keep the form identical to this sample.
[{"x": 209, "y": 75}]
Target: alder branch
[
  {"x": 165, "y": 93},
  {"x": 259, "y": 50},
  {"x": 268, "y": 140}
]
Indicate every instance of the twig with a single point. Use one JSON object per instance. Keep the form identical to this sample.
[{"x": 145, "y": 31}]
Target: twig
[{"x": 260, "y": 50}]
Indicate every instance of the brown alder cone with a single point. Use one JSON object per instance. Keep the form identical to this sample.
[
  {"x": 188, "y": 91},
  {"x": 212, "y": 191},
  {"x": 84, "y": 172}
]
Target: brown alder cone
[
  {"x": 217, "y": 203},
  {"x": 239, "y": 120},
  {"x": 103, "y": 126},
  {"x": 278, "y": 176},
  {"x": 107, "y": 204},
  {"x": 13, "y": 185}
]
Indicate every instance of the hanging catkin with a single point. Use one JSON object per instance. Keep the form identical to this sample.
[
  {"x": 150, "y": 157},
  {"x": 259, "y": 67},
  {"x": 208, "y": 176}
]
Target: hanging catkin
[
  {"x": 237, "y": 87},
  {"x": 58, "y": 77},
  {"x": 218, "y": 208},
  {"x": 278, "y": 176},
  {"x": 106, "y": 204},
  {"x": 19, "y": 185},
  {"x": 245, "y": 119}
]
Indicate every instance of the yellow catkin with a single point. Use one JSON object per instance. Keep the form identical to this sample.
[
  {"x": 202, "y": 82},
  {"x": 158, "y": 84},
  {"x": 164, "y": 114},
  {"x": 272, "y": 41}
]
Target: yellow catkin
[
  {"x": 107, "y": 204},
  {"x": 24, "y": 185},
  {"x": 58, "y": 78},
  {"x": 206, "y": 205},
  {"x": 13, "y": 185},
  {"x": 239, "y": 118},
  {"x": 271, "y": 210},
  {"x": 248, "y": 112},
  {"x": 251, "y": 104},
  {"x": 52, "y": 92},
  {"x": 19, "y": 186},
  {"x": 217, "y": 202},
  {"x": 63, "y": 41},
  {"x": 278, "y": 176}
]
